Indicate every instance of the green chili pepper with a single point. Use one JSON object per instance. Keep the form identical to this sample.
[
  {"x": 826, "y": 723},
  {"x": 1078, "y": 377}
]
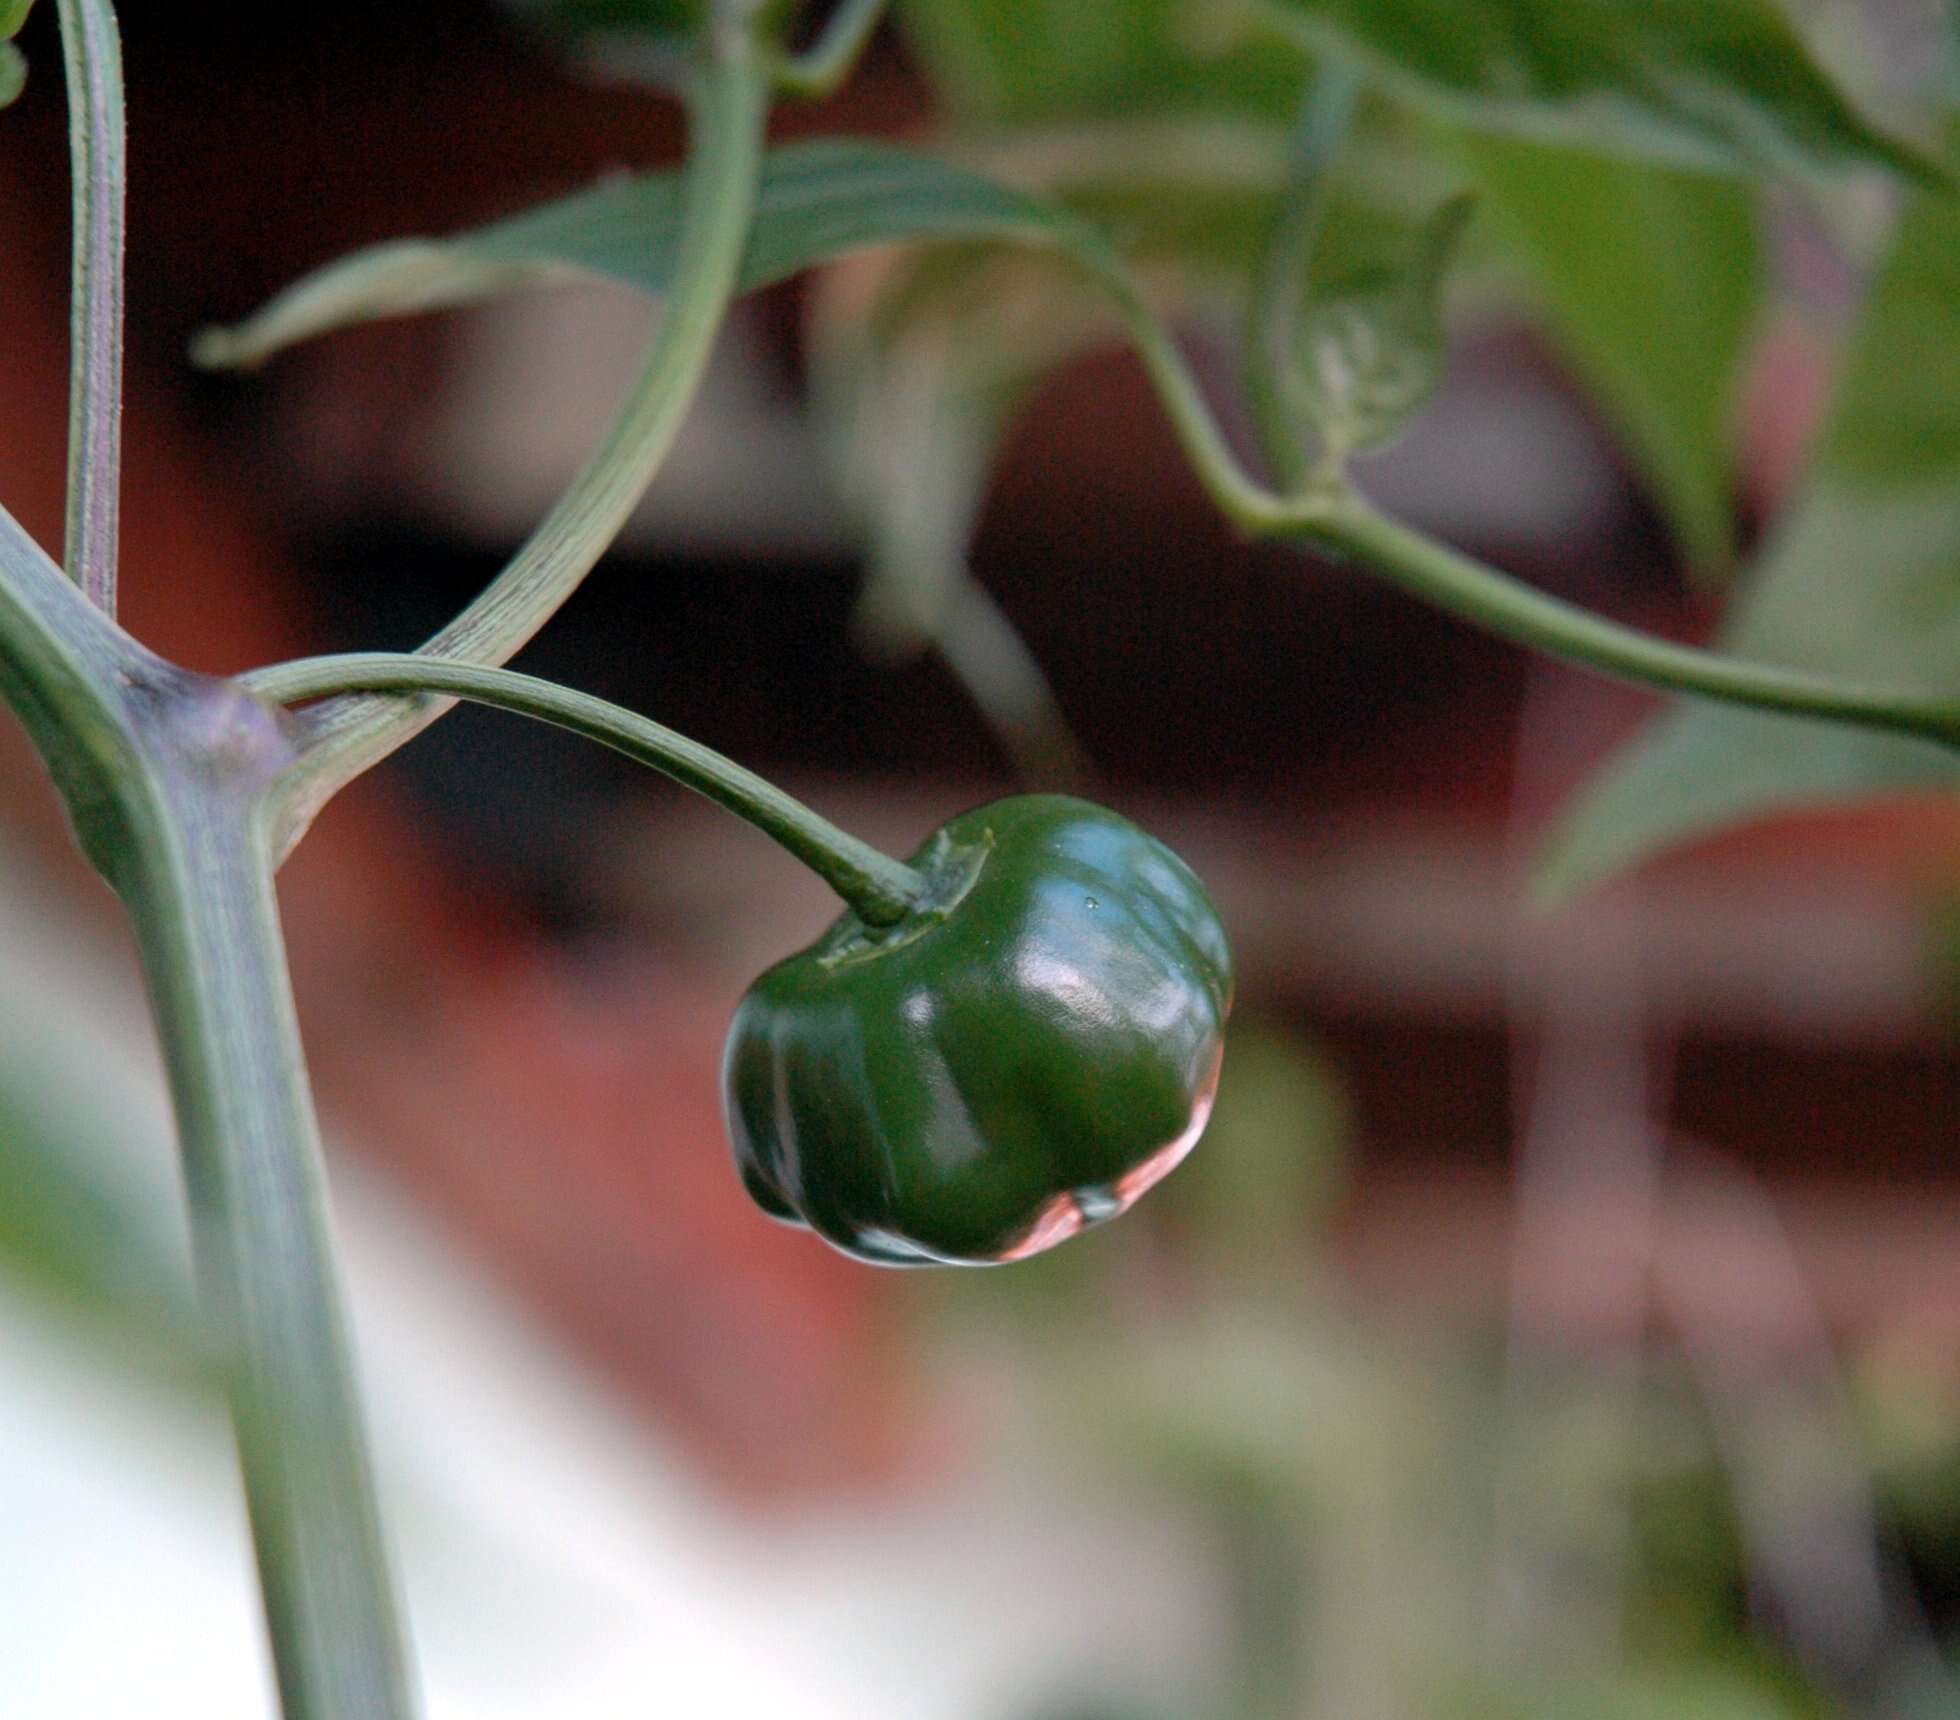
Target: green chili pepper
[{"x": 1020, "y": 1055}]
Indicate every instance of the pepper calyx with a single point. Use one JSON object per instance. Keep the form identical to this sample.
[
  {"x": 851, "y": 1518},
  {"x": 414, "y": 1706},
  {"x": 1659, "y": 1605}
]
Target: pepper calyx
[{"x": 950, "y": 868}]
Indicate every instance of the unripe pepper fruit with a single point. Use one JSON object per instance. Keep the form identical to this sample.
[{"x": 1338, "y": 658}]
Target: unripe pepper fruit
[{"x": 1018, "y": 1057}]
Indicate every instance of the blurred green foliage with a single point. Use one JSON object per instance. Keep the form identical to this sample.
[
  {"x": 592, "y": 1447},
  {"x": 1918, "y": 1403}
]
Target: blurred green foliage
[
  {"x": 13, "y": 66},
  {"x": 74, "y": 1231},
  {"x": 1861, "y": 580},
  {"x": 1348, "y": 1466},
  {"x": 1702, "y": 83},
  {"x": 1158, "y": 132},
  {"x": 1401, "y": 1522},
  {"x": 1652, "y": 282},
  {"x": 1011, "y": 61}
]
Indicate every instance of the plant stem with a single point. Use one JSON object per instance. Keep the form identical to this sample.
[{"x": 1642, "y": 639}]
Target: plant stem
[
  {"x": 1332, "y": 517},
  {"x": 92, "y": 53},
  {"x": 162, "y": 772},
  {"x": 347, "y": 735},
  {"x": 880, "y": 889},
  {"x": 827, "y": 62},
  {"x": 1506, "y": 606},
  {"x": 195, "y": 869}
]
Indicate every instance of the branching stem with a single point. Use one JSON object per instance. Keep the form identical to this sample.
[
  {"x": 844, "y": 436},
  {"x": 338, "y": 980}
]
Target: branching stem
[{"x": 344, "y": 736}]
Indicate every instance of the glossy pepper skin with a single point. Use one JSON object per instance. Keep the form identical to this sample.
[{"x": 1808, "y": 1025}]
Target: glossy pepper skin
[{"x": 1019, "y": 1059}]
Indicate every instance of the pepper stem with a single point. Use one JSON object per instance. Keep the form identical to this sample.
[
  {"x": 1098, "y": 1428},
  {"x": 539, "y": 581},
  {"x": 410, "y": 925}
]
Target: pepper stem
[{"x": 879, "y": 889}]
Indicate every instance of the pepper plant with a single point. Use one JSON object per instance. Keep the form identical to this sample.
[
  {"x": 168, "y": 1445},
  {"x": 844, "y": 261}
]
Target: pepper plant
[{"x": 1015, "y": 1033}]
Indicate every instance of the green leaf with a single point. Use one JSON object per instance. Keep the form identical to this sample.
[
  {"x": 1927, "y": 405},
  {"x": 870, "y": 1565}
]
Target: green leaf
[
  {"x": 69, "y": 1229},
  {"x": 1863, "y": 583},
  {"x": 1707, "y": 1689},
  {"x": 1701, "y": 83},
  {"x": 13, "y": 64},
  {"x": 1371, "y": 349},
  {"x": 1651, "y": 281},
  {"x": 1016, "y": 60},
  {"x": 818, "y": 201}
]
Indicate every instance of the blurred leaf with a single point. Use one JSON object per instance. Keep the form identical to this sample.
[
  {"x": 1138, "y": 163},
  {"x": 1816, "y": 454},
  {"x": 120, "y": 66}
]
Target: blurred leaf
[
  {"x": 1014, "y": 60},
  {"x": 1701, "y": 83},
  {"x": 1942, "y": 938},
  {"x": 1371, "y": 349},
  {"x": 1254, "y": 1197},
  {"x": 13, "y": 64},
  {"x": 1862, "y": 583},
  {"x": 912, "y": 397},
  {"x": 1651, "y": 280},
  {"x": 1666, "y": 1692},
  {"x": 72, "y": 1233},
  {"x": 1196, "y": 188},
  {"x": 1948, "y": 70},
  {"x": 1199, "y": 192},
  {"x": 818, "y": 201},
  {"x": 660, "y": 20},
  {"x": 1094, "y": 1707},
  {"x": 654, "y": 40}
]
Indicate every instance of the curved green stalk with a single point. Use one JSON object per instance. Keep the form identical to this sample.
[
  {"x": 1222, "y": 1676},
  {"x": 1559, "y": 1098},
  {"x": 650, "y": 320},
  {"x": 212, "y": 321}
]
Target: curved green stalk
[
  {"x": 1330, "y": 515},
  {"x": 1506, "y": 606},
  {"x": 345, "y": 736},
  {"x": 880, "y": 889},
  {"x": 827, "y": 62},
  {"x": 92, "y": 53}
]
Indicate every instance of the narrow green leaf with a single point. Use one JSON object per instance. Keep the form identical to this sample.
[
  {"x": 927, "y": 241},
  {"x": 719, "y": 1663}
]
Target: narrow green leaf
[
  {"x": 1863, "y": 582},
  {"x": 818, "y": 201},
  {"x": 1370, "y": 350},
  {"x": 1701, "y": 83},
  {"x": 1651, "y": 281}
]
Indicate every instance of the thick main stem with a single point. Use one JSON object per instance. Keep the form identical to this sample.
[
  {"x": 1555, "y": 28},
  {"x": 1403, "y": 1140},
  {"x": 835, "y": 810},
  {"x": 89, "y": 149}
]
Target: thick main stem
[{"x": 198, "y": 880}]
